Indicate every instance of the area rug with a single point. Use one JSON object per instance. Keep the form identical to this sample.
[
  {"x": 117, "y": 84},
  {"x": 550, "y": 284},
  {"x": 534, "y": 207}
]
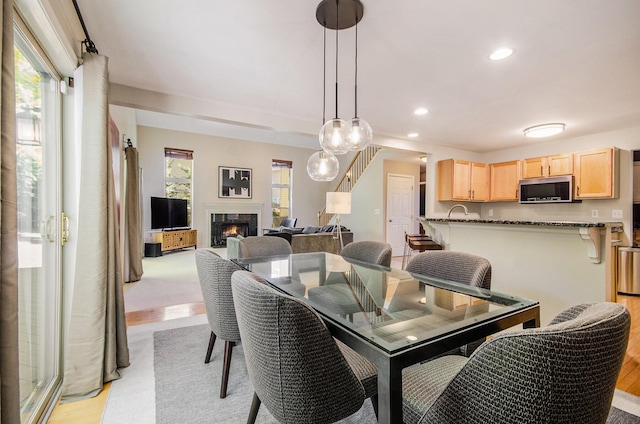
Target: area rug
[
  {"x": 168, "y": 382},
  {"x": 188, "y": 390}
]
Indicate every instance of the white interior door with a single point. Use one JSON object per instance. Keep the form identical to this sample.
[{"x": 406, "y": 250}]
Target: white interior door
[{"x": 399, "y": 210}]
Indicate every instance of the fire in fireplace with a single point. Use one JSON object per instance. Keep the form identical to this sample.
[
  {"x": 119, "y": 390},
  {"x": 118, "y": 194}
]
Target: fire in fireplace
[{"x": 235, "y": 230}]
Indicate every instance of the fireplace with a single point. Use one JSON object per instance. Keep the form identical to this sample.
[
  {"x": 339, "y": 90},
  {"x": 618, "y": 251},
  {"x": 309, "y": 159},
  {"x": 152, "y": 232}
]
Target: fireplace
[
  {"x": 231, "y": 219},
  {"x": 225, "y": 225}
]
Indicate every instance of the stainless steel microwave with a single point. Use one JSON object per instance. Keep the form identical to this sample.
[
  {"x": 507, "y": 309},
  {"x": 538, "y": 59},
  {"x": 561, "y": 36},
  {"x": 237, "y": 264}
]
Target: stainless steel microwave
[{"x": 547, "y": 190}]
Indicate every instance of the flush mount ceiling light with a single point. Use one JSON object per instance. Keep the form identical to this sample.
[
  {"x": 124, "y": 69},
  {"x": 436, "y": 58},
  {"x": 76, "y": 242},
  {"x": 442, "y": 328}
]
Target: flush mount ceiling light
[
  {"x": 501, "y": 53},
  {"x": 545, "y": 130},
  {"x": 337, "y": 137},
  {"x": 421, "y": 111},
  {"x": 412, "y": 135}
]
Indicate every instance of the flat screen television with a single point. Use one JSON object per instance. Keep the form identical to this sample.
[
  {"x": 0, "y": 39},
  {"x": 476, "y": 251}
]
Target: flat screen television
[{"x": 168, "y": 213}]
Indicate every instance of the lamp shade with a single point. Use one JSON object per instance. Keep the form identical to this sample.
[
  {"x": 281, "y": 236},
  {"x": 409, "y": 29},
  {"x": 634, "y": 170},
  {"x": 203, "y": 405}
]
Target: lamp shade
[{"x": 338, "y": 202}]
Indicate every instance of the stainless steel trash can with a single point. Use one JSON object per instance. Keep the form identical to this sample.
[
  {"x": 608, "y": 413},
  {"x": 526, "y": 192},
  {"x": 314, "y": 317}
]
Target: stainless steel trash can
[{"x": 629, "y": 270}]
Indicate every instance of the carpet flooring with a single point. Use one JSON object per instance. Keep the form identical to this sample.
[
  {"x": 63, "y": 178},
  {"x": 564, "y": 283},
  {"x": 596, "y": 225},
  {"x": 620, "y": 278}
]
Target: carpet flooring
[
  {"x": 168, "y": 382},
  {"x": 170, "y": 279}
]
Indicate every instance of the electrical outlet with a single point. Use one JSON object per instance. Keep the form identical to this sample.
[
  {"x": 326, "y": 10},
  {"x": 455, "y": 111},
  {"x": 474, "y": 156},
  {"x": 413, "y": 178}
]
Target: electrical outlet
[
  {"x": 616, "y": 213},
  {"x": 490, "y": 212},
  {"x": 594, "y": 213}
]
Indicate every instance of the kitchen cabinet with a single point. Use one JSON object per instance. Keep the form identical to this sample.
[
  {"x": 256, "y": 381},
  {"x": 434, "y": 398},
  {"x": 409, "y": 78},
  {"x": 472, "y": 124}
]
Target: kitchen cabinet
[
  {"x": 503, "y": 181},
  {"x": 594, "y": 173},
  {"x": 462, "y": 180},
  {"x": 548, "y": 166}
]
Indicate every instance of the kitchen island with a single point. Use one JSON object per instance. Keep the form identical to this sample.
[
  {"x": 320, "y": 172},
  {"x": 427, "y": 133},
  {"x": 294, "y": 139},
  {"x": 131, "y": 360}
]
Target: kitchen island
[{"x": 558, "y": 263}]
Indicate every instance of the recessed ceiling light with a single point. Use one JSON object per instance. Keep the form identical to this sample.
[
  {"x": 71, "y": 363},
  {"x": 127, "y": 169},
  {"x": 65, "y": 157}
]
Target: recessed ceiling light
[
  {"x": 501, "y": 53},
  {"x": 545, "y": 130},
  {"x": 412, "y": 135},
  {"x": 421, "y": 111}
]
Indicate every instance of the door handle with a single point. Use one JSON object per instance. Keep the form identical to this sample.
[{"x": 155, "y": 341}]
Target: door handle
[{"x": 64, "y": 234}]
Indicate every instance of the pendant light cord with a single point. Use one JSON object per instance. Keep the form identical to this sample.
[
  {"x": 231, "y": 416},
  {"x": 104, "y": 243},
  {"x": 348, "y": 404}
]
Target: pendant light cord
[
  {"x": 356, "y": 77},
  {"x": 324, "y": 73},
  {"x": 337, "y": 31}
]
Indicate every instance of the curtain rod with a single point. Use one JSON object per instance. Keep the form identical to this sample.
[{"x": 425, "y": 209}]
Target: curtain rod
[{"x": 88, "y": 44}]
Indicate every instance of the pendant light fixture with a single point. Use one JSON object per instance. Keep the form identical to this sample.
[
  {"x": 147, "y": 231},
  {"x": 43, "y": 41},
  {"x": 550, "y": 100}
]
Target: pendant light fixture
[
  {"x": 336, "y": 136},
  {"x": 323, "y": 166},
  {"x": 334, "y": 133}
]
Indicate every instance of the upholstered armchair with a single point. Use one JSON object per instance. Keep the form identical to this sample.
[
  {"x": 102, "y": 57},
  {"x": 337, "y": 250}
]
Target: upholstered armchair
[
  {"x": 563, "y": 373},
  {"x": 252, "y": 247}
]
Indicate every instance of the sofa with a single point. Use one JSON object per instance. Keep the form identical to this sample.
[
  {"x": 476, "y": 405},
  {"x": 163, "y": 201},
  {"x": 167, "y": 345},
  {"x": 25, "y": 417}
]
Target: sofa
[{"x": 313, "y": 238}]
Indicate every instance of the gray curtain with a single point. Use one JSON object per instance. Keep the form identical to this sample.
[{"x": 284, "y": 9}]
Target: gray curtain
[
  {"x": 96, "y": 344},
  {"x": 133, "y": 229},
  {"x": 9, "y": 378}
]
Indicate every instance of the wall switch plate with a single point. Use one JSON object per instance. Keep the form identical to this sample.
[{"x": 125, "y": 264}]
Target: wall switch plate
[
  {"x": 376, "y": 211},
  {"x": 594, "y": 213},
  {"x": 490, "y": 212},
  {"x": 616, "y": 213}
]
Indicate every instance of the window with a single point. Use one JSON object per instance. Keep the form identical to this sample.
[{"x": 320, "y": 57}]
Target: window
[
  {"x": 178, "y": 176},
  {"x": 280, "y": 190}
]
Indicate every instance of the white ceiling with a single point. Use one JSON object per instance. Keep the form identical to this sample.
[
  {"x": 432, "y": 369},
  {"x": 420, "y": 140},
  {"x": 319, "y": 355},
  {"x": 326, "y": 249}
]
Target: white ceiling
[{"x": 575, "y": 61}]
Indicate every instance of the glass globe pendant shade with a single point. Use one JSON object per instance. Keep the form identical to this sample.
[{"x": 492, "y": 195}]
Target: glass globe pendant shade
[
  {"x": 322, "y": 166},
  {"x": 361, "y": 134},
  {"x": 334, "y": 137}
]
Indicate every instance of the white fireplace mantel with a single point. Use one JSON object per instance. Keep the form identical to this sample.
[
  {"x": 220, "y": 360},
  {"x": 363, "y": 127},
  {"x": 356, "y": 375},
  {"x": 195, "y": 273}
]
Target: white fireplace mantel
[{"x": 231, "y": 206}]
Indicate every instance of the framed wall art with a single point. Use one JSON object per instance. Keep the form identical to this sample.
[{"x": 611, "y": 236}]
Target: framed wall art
[{"x": 234, "y": 182}]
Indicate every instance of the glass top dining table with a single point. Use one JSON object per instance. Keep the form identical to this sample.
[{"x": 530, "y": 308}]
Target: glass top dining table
[{"x": 392, "y": 317}]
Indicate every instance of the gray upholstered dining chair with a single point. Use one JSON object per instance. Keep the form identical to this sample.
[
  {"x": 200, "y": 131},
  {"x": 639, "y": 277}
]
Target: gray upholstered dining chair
[
  {"x": 214, "y": 274},
  {"x": 371, "y": 252},
  {"x": 449, "y": 265},
  {"x": 563, "y": 373},
  {"x": 340, "y": 298},
  {"x": 299, "y": 372},
  {"x": 460, "y": 267},
  {"x": 252, "y": 247}
]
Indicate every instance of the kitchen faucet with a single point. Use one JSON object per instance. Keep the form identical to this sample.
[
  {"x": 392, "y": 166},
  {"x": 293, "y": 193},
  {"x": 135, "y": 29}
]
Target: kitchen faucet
[{"x": 466, "y": 212}]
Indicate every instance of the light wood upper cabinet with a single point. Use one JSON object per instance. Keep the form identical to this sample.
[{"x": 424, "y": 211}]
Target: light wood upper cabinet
[
  {"x": 594, "y": 173},
  {"x": 548, "y": 166},
  {"x": 504, "y": 178},
  {"x": 478, "y": 182},
  {"x": 462, "y": 180}
]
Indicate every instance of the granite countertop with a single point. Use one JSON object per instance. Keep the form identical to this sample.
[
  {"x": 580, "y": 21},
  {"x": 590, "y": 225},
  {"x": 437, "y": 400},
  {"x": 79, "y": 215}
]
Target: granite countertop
[{"x": 539, "y": 223}]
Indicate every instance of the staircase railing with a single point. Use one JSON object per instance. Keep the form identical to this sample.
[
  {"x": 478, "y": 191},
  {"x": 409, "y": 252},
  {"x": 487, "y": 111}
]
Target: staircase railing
[{"x": 350, "y": 177}]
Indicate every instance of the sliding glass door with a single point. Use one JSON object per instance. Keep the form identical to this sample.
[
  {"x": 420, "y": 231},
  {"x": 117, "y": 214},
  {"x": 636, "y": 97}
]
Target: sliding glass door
[{"x": 39, "y": 228}]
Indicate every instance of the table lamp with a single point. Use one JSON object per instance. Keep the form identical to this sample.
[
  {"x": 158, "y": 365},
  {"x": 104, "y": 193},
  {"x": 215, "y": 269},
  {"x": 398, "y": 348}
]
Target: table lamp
[{"x": 338, "y": 203}]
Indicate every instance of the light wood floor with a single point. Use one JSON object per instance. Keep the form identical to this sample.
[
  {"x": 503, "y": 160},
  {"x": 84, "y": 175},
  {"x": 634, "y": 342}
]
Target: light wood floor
[{"x": 90, "y": 411}]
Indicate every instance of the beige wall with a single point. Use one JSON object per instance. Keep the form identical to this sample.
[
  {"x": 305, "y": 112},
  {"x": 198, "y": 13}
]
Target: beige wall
[{"x": 211, "y": 152}]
